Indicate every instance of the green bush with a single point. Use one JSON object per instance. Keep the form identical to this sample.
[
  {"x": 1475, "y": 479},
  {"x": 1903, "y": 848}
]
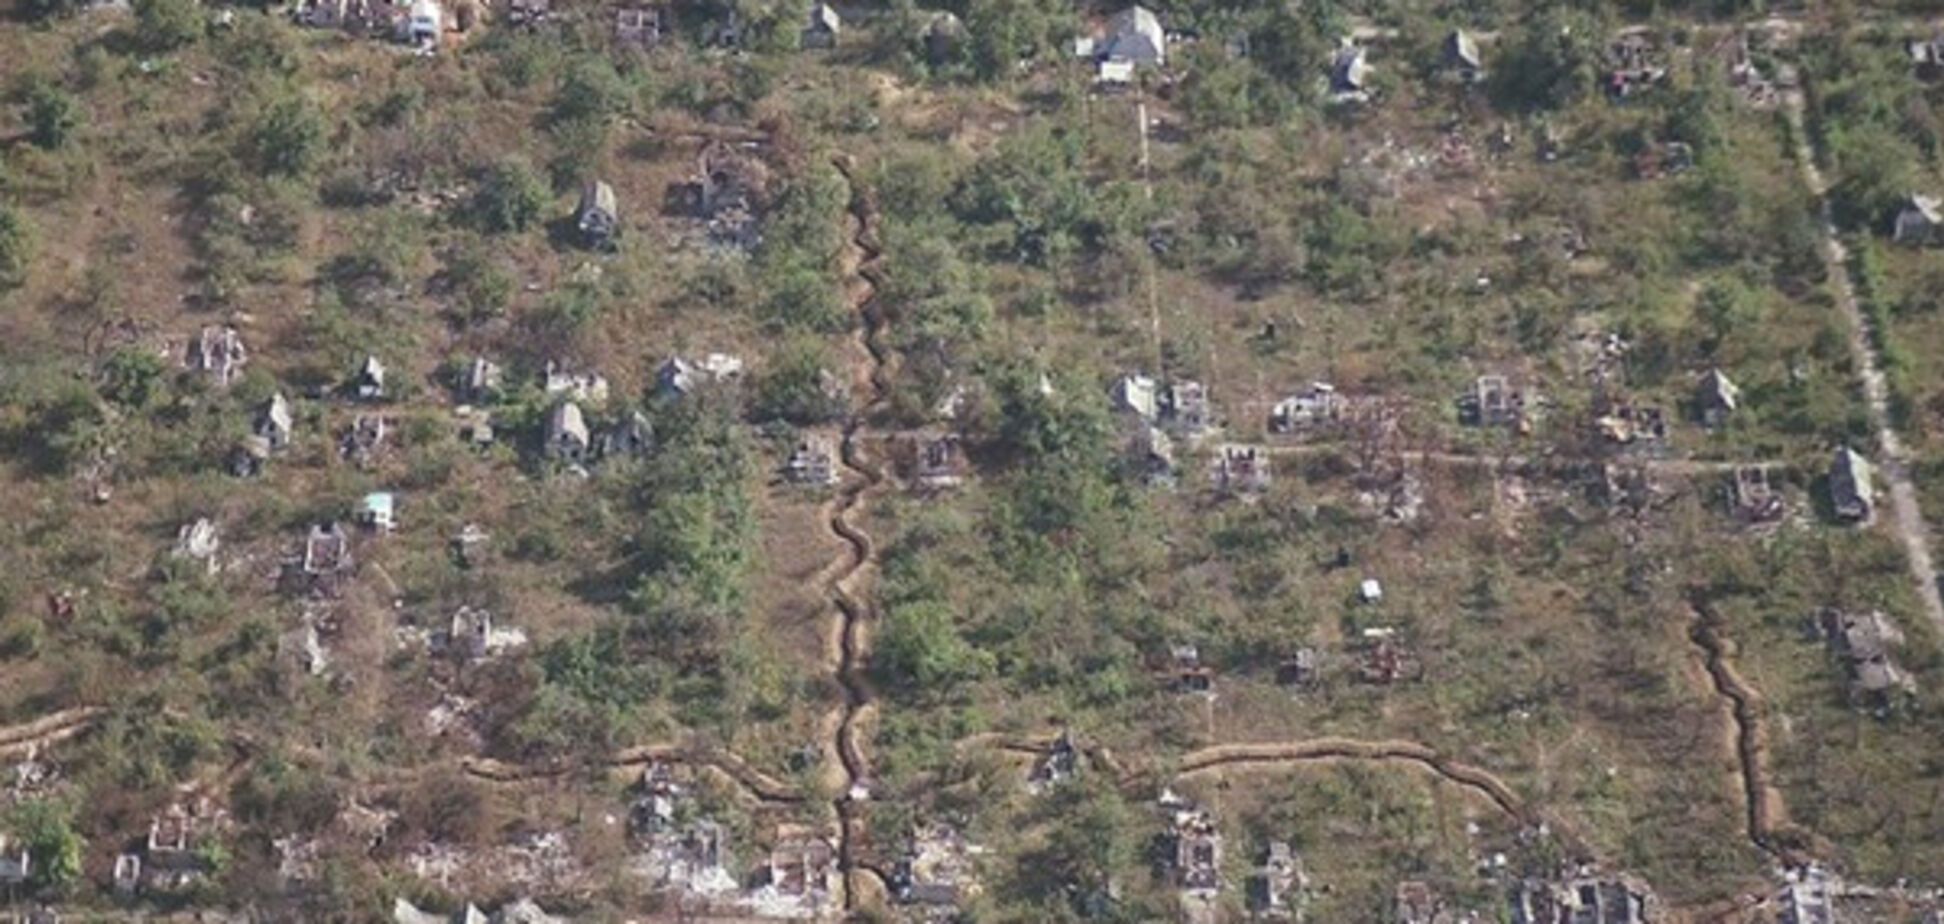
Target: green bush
[
  {"x": 133, "y": 377},
  {"x": 16, "y": 246},
  {"x": 166, "y": 25},
  {"x": 481, "y": 288},
  {"x": 592, "y": 90},
  {"x": 287, "y": 136},
  {"x": 46, "y": 829},
  {"x": 512, "y": 198},
  {"x": 52, "y": 115},
  {"x": 920, "y": 650},
  {"x": 795, "y": 387}
]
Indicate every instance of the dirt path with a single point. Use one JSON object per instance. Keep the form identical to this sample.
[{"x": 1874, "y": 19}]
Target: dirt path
[
  {"x": 849, "y": 586},
  {"x": 1907, "y": 519},
  {"x": 48, "y": 729},
  {"x": 1748, "y": 734}
]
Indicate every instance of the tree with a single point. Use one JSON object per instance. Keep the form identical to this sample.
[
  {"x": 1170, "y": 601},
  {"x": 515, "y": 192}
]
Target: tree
[
  {"x": 46, "y": 829},
  {"x": 511, "y": 199},
  {"x": 1093, "y": 840},
  {"x": 480, "y": 287},
  {"x": 797, "y": 387},
  {"x": 1876, "y": 166},
  {"x": 1003, "y": 33},
  {"x": 132, "y": 377},
  {"x": 1551, "y": 61},
  {"x": 287, "y": 136},
  {"x": 592, "y": 90},
  {"x": 16, "y": 246},
  {"x": 167, "y": 25},
  {"x": 52, "y": 115},
  {"x": 921, "y": 650}
]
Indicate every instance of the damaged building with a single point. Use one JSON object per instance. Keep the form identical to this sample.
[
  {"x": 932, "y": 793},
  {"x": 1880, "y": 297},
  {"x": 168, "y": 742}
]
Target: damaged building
[
  {"x": 1240, "y": 470},
  {"x": 812, "y": 463},
  {"x": 1864, "y": 643}
]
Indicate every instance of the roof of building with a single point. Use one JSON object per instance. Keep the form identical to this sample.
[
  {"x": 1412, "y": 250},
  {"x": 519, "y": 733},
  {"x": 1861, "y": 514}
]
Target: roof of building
[
  {"x": 1135, "y": 34},
  {"x": 566, "y": 422}
]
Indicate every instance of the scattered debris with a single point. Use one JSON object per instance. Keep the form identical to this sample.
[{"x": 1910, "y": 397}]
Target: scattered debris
[
  {"x": 588, "y": 388},
  {"x": 1059, "y": 764},
  {"x": 938, "y": 461},
  {"x": 198, "y": 542},
  {"x": 1493, "y": 402},
  {"x": 937, "y": 869},
  {"x": 638, "y": 27},
  {"x": 812, "y": 463},
  {"x": 1276, "y": 889},
  {"x": 678, "y": 377},
  {"x": 1385, "y": 658},
  {"x": 1241, "y": 470},
  {"x": 1864, "y": 642},
  {"x": 801, "y": 877},
  {"x": 219, "y": 352},
  {"x": 471, "y": 636},
  {"x": 1194, "y": 847},
  {"x": 366, "y": 439},
  {"x": 1752, "y": 497},
  {"x": 326, "y": 559},
  {"x": 1635, "y": 67},
  {"x": 1187, "y": 674},
  {"x": 1585, "y": 897}
]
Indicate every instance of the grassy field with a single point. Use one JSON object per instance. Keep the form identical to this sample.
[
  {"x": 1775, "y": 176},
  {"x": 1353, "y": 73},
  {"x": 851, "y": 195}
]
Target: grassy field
[{"x": 334, "y": 198}]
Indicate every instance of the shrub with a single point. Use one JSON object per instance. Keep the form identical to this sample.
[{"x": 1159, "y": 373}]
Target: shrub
[
  {"x": 287, "y": 136},
  {"x": 796, "y": 387},
  {"x": 511, "y": 199},
  {"x": 16, "y": 246},
  {"x": 132, "y": 378},
  {"x": 166, "y": 25},
  {"x": 480, "y": 287},
  {"x": 52, "y": 115},
  {"x": 46, "y": 829},
  {"x": 592, "y": 90},
  {"x": 921, "y": 649}
]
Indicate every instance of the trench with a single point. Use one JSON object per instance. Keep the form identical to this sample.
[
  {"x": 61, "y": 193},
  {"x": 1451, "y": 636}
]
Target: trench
[
  {"x": 757, "y": 785},
  {"x": 48, "y": 729},
  {"x": 1763, "y": 810},
  {"x": 1327, "y": 750},
  {"x": 844, "y": 585}
]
